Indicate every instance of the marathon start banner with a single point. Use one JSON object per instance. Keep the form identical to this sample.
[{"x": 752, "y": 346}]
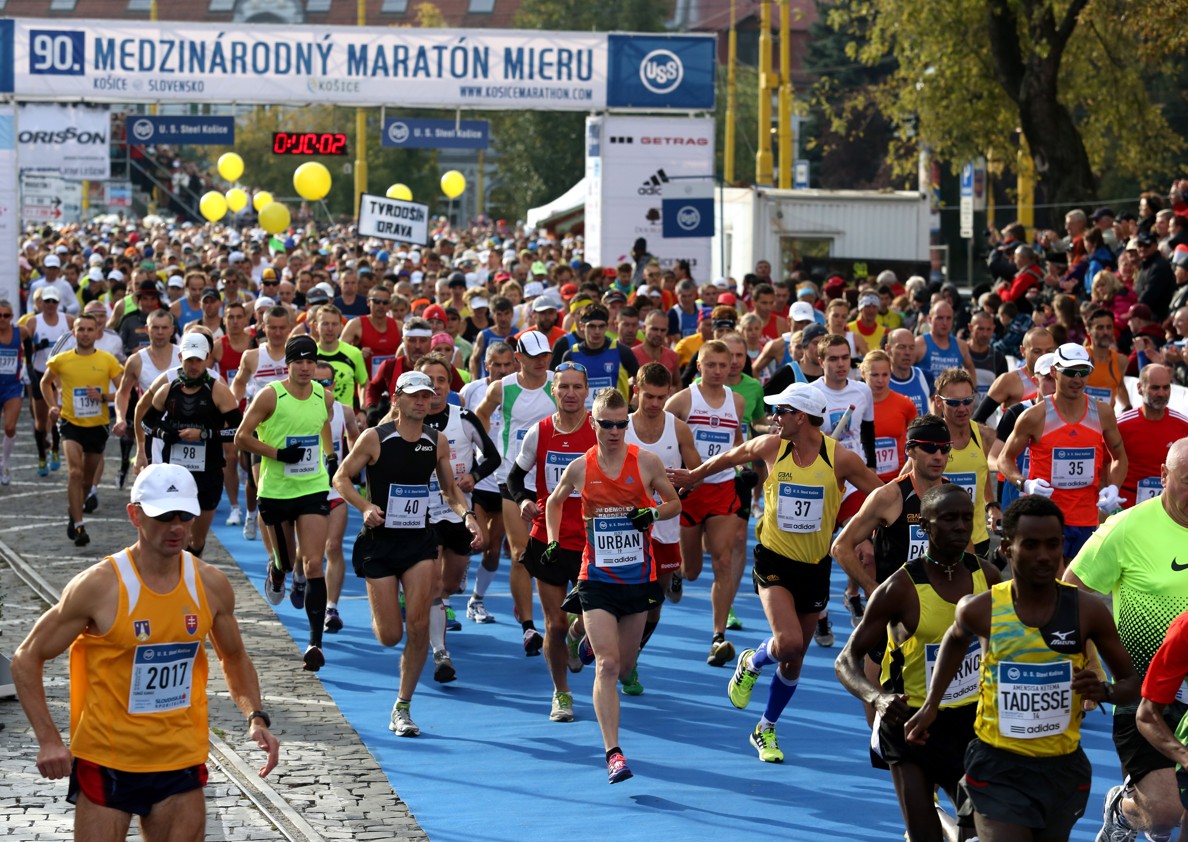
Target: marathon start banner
[{"x": 105, "y": 61}]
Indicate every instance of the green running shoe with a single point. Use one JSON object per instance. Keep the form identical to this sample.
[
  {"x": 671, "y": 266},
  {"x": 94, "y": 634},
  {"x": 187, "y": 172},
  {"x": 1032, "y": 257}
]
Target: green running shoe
[
  {"x": 631, "y": 685},
  {"x": 743, "y": 681},
  {"x": 562, "y": 710},
  {"x": 767, "y": 744},
  {"x": 732, "y": 621}
]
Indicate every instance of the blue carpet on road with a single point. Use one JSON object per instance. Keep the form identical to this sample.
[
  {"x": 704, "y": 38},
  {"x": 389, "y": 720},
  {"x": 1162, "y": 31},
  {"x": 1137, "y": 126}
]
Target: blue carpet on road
[{"x": 490, "y": 765}]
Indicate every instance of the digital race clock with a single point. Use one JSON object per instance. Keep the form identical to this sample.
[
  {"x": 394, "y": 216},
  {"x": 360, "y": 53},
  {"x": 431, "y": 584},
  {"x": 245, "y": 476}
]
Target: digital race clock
[{"x": 309, "y": 143}]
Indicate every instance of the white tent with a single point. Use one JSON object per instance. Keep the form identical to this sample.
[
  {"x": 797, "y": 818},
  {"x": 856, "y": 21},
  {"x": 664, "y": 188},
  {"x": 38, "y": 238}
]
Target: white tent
[{"x": 568, "y": 202}]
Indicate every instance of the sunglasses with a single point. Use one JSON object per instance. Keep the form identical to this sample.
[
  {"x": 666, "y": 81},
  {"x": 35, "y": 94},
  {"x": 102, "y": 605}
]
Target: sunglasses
[
  {"x": 269, "y": 283},
  {"x": 1084, "y": 371},
  {"x": 957, "y": 401},
  {"x": 784, "y": 410},
  {"x": 168, "y": 517},
  {"x": 612, "y": 425},
  {"x": 568, "y": 366},
  {"x": 5, "y": 315},
  {"x": 931, "y": 446},
  {"x": 383, "y": 302},
  {"x": 328, "y": 382}
]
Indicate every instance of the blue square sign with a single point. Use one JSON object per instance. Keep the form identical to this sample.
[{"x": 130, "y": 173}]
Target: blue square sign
[
  {"x": 661, "y": 71},
  {"x": 687, "y": 217}
]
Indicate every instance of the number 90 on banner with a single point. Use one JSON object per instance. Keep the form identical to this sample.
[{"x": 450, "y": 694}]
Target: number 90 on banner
[{"x": 57, "y": 52}]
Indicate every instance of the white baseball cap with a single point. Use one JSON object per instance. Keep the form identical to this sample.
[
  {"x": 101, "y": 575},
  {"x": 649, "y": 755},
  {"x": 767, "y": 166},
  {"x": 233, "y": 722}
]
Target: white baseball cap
[
  {"x": 1043, "y": 366},
  {"x": 801, "y": 396},
  {"x": 870, "y": 299},
  {"x": 265, "y": 301},
  {"x": 163, "y": 487},
  {"x": 721, "y": 283},
  {"x": 194, "y": 346},
  {"x": 533, "y": 289},
  {"x": 533, "y": 344},
  {"x": 96, "y": 274},
  {"x": 543, "y": 303},
  {"x": 1071, "y": 355},
  {"x": 801, "y": 311},
  {"x": 50, "y": 293},
  {"x": 478, "y": 302},
  {"x": 412, "y": 382},
  {"x": 52, "y": 261},
  {"x": 177, "y": 281}
]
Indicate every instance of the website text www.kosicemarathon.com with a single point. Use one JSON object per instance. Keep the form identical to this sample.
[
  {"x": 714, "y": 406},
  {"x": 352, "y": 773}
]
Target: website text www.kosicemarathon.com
[{"x": 527, "y": 92}]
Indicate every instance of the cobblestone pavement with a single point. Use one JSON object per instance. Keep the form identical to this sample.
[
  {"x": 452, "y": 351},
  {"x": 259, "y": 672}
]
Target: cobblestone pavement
[{"x": 326, "y": 774}]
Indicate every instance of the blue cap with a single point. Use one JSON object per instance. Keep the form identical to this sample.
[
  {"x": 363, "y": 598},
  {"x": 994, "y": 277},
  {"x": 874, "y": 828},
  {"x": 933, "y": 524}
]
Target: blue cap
[
  {"x": 532, "y": 247},
  {"x": 148, "y": 251},
  {"x": 383, "y": 255},
  {"x": 290, "y": 243}
]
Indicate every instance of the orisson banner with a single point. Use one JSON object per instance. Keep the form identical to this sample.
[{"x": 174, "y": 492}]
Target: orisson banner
[{"x": 100, "y": 60}]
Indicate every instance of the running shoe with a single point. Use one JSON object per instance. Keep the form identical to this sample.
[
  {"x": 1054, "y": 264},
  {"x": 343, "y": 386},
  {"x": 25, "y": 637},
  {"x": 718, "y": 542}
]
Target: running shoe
[
  {"x": 532, "y": 642},
  {"x": 721, "y": 653},
  {"x": 333, "y": 621},
  {"x": 676, "y": 588},
  {"x": 91, "y": 503},
  {"x": 42, "y": 470},
  {"x": 297, "y": 593},
  {"x": 5, "y": 476},
  {"x": 767, "y": 745},
  {"x": 585, "y": 651},
  {"x": 443, "y": 667},
  {"x": 743, "y": 681},
  {"x": 631, "y": 685},
  {"x": 562, "y": 708},
  {"x": 313, "y": 659},
  {"x": 274, "y": 585},
  {"x": 55, "y": 460},
  {"x": 854, "y": 606},
  {"x": 452, "y": 623},
  {"x": 824, "y": 633},
  {"x": 401, "y": 722},
  {"x": 1111, "y": 827},
  {"x": 574, "y": 657},
  {"x": 249, "y": 527},
  {"x": 616, "y": 769},
  {"x": 477, "y": 611},
  {"x": 236, "y": 517},
  {"x": 81, "y": 538},
  {"x": 732, "y": 621}
]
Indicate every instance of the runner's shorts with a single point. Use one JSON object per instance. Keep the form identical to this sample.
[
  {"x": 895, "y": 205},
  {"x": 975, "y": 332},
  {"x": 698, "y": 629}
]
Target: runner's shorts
[
  {"x": 1043, "y": 793},
  {"x": 91, "y": 439},
  {"x": 279, "y": 510},
  {"x": 620, "y": 600},
  {"x": 454, "y": 536},
  {"x": 942, "y": 758},
  {"x": 667, "y": 556},
  {"x": 130, "y": 792},
  {"x": 1139, "y": 758},
  {"x": 380, "y": 553},
  {"x": 716, "y": 499},
  {"x": 808, "y": 583},
  {"x": 562, "y": 572}
]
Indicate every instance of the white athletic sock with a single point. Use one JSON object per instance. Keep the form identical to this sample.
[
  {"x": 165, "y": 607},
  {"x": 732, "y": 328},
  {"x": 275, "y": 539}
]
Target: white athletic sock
[
  {"x": 331, "y": 606},
  {"x": 437, "y": 626},
  {"x": 482, "y": 581},
  {"x": 9, "y": 441},
  {"x": 94, "y": 489},
  {"x": 765, "y": 723}
]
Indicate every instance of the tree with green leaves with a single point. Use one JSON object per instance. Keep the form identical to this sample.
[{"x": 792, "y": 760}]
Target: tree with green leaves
[{"x": 1074, "y": 79}]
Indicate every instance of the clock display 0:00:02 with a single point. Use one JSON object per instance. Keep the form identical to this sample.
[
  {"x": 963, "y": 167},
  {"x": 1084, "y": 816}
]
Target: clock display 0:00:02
[{"x": 309, "y": 143}]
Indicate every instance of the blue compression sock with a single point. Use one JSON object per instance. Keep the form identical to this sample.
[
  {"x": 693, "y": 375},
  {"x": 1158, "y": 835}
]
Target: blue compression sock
[
  {"x": 779, "y": 695},
  {"x": 762, "y": 656}
]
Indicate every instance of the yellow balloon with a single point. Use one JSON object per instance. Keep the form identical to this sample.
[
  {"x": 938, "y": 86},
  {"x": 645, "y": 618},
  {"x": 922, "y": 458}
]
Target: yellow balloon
[
  {"x": 236, "y": 199},
  {"x": 453, "y": 184},
  {"x": 230, "y": 166},
  {"x": 213, "y": 205},
  {"x": 400, "y": 191},
  {"x": 261, "y": 200},
  {"x": 312, "y": 181},
  {"x": 274, "y": 218}
]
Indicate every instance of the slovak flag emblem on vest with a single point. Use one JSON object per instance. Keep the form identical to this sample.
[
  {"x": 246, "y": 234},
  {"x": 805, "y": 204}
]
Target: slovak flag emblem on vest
[
  {"x": 191, "y": 623},
  {"x": 141, "y": 629}
]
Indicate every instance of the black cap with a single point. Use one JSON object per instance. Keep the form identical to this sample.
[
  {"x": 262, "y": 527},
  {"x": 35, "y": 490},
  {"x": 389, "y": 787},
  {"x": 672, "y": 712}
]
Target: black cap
[
  {"x": 300, "y": 348},
  {"x": 316, "y": 296},
  {"x": 457, "y": 279},
  {"x": 1101, "y": 213},
  {"x": 813, "y": 331},
  {"x": 210, "y": 294},
  {"x": 1147, "y": 238}
]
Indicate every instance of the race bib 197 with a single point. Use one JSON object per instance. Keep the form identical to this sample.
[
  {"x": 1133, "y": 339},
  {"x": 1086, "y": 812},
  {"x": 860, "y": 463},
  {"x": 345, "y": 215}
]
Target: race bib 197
[{"x": 886, "y": 455}]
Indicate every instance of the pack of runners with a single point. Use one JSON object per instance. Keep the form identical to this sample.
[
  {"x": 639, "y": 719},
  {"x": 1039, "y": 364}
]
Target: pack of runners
[{"x": 975, "y": 474}]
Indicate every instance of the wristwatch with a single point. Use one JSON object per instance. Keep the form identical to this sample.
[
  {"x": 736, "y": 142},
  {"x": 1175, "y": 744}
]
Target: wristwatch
[
  {"x": 1107, "y": 691},
  {"x": 259, "y": 714}
]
